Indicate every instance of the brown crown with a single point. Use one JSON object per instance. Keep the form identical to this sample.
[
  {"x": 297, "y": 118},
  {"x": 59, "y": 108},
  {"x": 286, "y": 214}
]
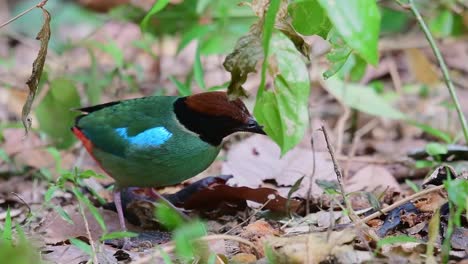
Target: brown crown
[{"x": 218, "y": 104}]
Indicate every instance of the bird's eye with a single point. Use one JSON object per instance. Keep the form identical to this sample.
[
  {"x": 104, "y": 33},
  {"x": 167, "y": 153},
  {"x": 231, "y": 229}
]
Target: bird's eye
[{"x": 252, "y": 124}]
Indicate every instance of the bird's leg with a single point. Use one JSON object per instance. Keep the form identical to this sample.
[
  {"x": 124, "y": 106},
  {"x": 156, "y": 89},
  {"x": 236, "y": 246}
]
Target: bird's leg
[
  {"x": 154, "y": 193},
  {"x": 118, "y": 206}
]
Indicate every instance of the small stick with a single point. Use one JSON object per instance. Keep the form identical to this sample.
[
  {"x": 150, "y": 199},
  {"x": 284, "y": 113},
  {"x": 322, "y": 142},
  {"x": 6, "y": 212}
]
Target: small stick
[
  {"x": 248, "y": 218},
  {"x": 337, "y": 169},
  {"x": 348, "y": 206},
  {"x": 88, "y": 231},
  {"x": 398, "y": 203},
  {"x": 311, "y": 179},
  {"x": 40, "y": 5}
]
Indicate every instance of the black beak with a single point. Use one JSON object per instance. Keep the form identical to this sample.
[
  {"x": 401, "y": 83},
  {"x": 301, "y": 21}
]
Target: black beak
[{"x": 254, "y": 127}]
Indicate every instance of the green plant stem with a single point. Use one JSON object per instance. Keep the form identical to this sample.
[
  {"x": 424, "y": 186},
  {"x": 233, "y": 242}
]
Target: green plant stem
[
  {"x": 443, "y": 66},
  {"x": 447, "y": 244}
]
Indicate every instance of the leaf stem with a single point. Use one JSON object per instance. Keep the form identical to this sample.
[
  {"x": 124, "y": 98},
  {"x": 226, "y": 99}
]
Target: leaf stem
[
  {"x": 40, "y": 5},
  {"x": 443, "y": 66}
]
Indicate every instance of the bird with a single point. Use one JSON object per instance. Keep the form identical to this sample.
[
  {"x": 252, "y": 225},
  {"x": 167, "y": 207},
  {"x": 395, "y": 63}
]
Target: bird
[{"x": 158, "y": 141}]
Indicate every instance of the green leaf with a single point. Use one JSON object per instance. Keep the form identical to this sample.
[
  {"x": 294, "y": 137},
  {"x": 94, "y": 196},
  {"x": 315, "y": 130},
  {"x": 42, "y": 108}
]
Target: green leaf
[
  {"x": 268, "y": 26},
  {"x": 436, "y": 149},
  {"x": 166, "y": 258},
  {"x": 202, "y": 5},
  {"x": 50, "y": 193},
  {"x": 390, "y": 240},
  {"x": 157, "y": 6},
  {"x": 195, "y": 32},
  {"x": 338, "y": 54},
  {"x": 110, "y": 47},
  {"x": 54, "y": 114},
  {"x": 184, "y": 238},
  {"x": 434, "y": 226},
  {"x": 309, "y": 18},
  {"x": 4, "y": 156},
  {"x": 117, "y": 235},
  {"x": 198, "y": 70},
  {"x": 82, "y": 245},
  {"x": 393, "y": 21},
  {"x": 433, "y": 131},
  {"x": 94, "y": 211},
  {"x": 168, "y": 217},
  {"x": 412, "y": 185},
  {"x": 283, "y": 110},
  {"x": 358, "y": 21},
  {"x": 184, "y": 90},
  {"x": 421, "y": 164},
  {"x": 442, "y": 24},
  {"x": 362, "y": 98},
  {"x": 63, "y": 214},
  {"x": 458, "y": 195},
  {"x": 7, "y": 237}
]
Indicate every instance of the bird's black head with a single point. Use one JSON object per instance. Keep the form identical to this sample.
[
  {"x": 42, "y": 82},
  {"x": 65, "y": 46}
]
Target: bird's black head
[{"x": 213, "y": 116}]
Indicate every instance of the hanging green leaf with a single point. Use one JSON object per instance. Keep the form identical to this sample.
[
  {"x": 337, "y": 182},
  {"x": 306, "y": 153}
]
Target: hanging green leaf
[
  {"x": 198, "y": 70},
  {"x": 267, "y": 31},
  {"x": 157, "y": 6},
  {"x": 283, "y": 109},
  {"x": 358, "y": 22},
  {"x": 309, "y": 18},
  {"x": 338, "y": 54}
]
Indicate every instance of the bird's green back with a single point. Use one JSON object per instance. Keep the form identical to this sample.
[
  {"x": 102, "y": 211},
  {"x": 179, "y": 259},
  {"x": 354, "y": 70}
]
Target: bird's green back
[{"x": 141, "y": 143}]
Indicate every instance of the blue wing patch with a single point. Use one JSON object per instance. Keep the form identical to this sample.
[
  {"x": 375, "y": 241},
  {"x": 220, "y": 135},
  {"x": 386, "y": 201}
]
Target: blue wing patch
[{"x": 152, "y": 137}]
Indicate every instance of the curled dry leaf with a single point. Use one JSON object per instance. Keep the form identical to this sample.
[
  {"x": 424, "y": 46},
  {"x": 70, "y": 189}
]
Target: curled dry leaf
[
  {"x": 257, "y": 159},
  {"x": 38, "y": 66},
  {"x": 243, "y": 60}
]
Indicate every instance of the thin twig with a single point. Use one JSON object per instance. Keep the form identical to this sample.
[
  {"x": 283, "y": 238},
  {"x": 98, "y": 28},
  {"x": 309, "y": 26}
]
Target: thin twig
[
  {"x": 40, "y": 5},
  {"x": 169, "y": 247},
  {"x": 248, "y": 218},
  {"x": 337, "y": 169},
  {"x": 88, "y": 232},
  {"x": 27, "y": 205},
  {"x": 311, "y": 178},
  {"x": 443, "y": 66},
  {"x": 399, "y": 203},
  {"x": 352, "y": 215}
]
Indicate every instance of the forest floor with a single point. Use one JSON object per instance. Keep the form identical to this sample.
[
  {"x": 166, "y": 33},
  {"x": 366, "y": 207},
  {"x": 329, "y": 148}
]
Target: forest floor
[{"x": 286, "y": 208}]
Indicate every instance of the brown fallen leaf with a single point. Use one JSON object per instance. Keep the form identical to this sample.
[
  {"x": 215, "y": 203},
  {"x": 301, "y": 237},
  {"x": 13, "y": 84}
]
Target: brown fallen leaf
[
  {"x": 244, "y": 258},
  {"x": 258, "y": 233},
  {"x": 28, "y": 151},
  {"x": 55, "y": 230},
  {"x": 422, "y": 69},
  {"x": 315, "y": 247},
  {"x": 257, "y": 159},
  {"x": 372, "y": 178}
]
